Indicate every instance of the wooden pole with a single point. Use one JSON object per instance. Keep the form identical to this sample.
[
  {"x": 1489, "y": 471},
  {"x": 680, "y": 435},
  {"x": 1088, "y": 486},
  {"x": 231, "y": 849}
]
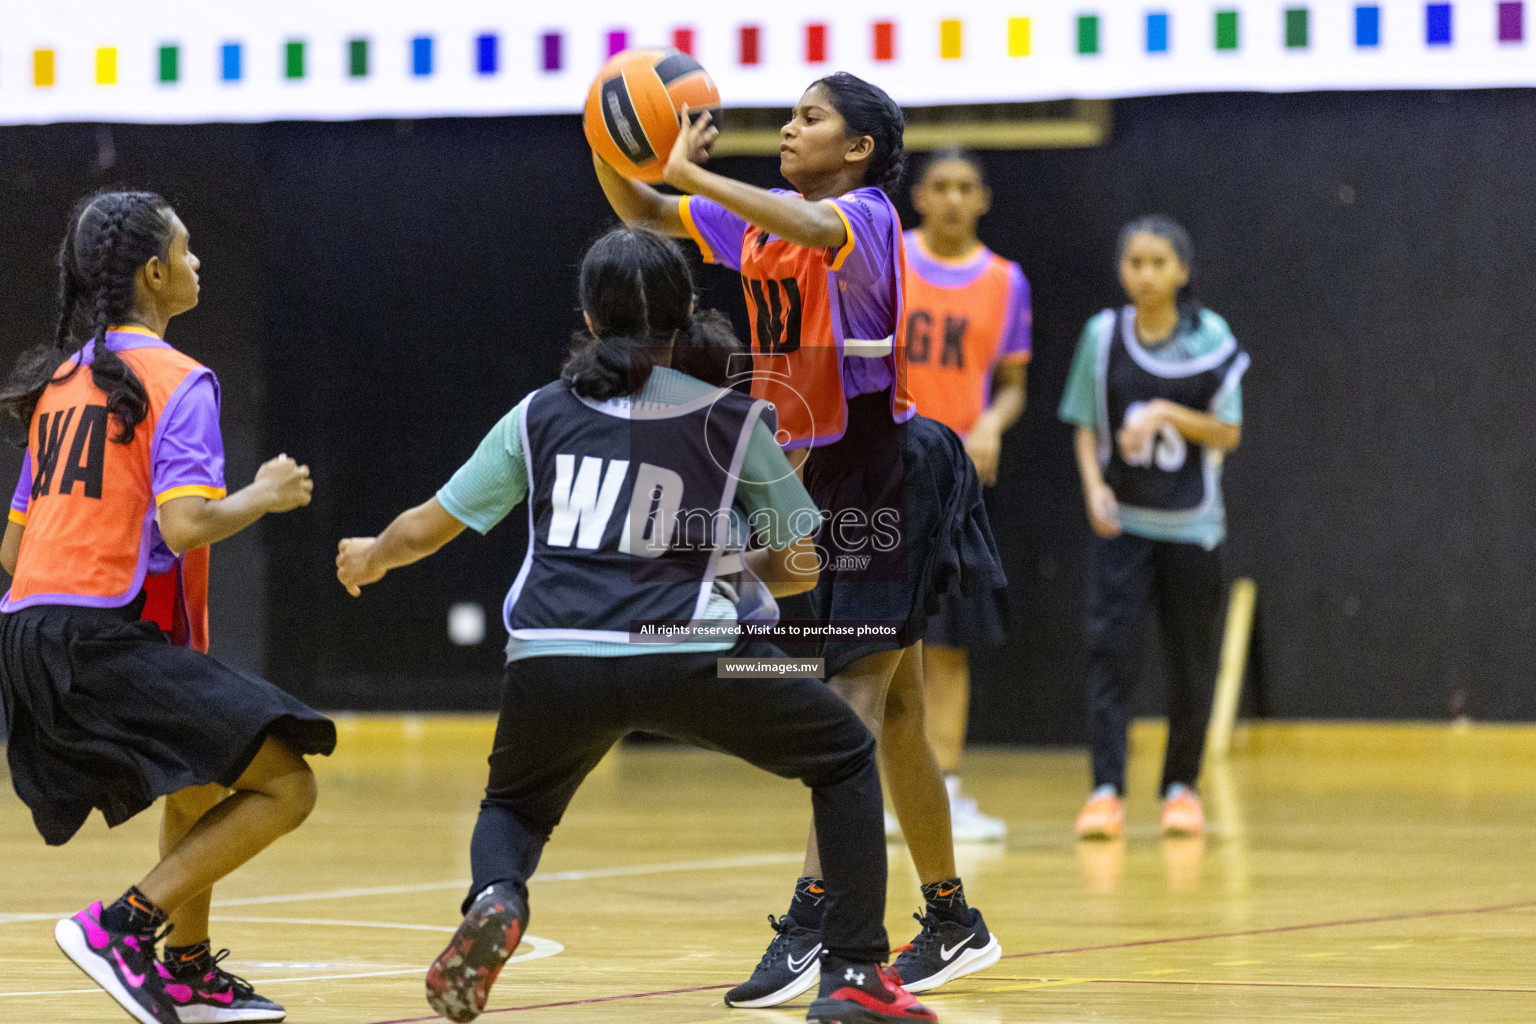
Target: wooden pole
[{"x": 1229, "y": 677}]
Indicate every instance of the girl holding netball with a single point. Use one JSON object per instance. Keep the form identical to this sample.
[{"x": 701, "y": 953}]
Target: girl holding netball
[
  {"x": 1155, "y": 395},
  {"x": 821, "y": 269},
  {"x": 641, "y": 482},
  {"x": 121, "y": 492},
  {"x": 966, "y": 332}
]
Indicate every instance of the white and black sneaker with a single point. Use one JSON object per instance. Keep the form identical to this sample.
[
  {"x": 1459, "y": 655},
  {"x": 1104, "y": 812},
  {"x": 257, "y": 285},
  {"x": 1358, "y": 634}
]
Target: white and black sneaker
[
  {"x": 791, "y": 965},
  {"x": 946, "y": 950},
  {"x": 212, "y": 995}
]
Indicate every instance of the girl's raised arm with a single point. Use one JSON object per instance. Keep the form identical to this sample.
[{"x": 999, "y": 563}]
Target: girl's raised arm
[
  {"x": 815, "y": 225},
  {"x": 637, "y": 203}
]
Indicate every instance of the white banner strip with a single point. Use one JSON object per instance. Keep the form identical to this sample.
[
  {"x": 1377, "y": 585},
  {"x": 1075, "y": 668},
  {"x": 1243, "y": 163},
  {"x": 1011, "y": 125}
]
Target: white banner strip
[{"x": 238, "y": 60}]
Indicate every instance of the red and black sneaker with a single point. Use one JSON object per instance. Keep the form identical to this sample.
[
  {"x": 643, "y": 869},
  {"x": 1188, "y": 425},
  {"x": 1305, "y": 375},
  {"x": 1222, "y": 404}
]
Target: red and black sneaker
[
  {"x": 460, "y": 979},
  {"x": 855, "y": 993}
]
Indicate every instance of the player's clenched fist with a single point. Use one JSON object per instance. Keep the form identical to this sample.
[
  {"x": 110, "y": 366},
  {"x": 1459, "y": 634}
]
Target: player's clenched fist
[
  {"x": 353, "y": 566},
  {"x": 285, "y": 484}
]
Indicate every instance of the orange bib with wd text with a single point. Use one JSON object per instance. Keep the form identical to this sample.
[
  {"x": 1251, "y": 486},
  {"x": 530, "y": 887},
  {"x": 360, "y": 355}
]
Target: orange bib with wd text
[{"x": 797, "y": 337}]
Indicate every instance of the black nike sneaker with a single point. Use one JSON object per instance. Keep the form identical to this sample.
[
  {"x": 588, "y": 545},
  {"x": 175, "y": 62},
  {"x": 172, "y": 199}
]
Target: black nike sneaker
[
  {"x": 215, "y": 996},
  {"x": 121, "y": 962},
  {"x": 460, "y": 979},
  {"x": 946, "y": 950},
  {"x": 860, "y": 993},
  {"x": 789, "y": 967}
]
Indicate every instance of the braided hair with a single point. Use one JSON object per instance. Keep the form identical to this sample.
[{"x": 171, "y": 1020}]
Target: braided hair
[
  {"x": 868, "y": 110},
  {"x": 111, "y": 235}
]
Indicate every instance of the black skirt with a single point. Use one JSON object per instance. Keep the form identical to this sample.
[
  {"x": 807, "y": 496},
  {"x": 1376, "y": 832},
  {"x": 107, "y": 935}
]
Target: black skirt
[
  {"x": 980, "y": 620},
  {"x": 103, "y": 711},
  {"x": 906, "y": 525}
]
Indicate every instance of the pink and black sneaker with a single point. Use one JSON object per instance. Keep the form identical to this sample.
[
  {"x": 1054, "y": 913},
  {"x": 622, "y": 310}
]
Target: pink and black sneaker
[
  {"x": 211, "y": 995},
  {"x": 123, "y": 963},
  {"x": 460, "y": 979},
  {"x": 855, "y": 993}
]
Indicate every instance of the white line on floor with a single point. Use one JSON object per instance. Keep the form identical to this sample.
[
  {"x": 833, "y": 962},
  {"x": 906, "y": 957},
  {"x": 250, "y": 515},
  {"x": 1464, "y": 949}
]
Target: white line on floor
[
  {"x": 755, "y": 861},
  {"x": 538, "y": 949},
  {"x": 343, "y": 894},
  {"x": 328, "y": 923},
  {"x": 541, "y": 949},
  {"x": 20, "y": 918},
  {"x": 629, "y": 871}
]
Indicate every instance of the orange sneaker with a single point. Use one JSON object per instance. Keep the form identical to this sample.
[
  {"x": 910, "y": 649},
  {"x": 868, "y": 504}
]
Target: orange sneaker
[
  {"x": 1182, "y": 813},
  {"x": 1102, "y": 817}
]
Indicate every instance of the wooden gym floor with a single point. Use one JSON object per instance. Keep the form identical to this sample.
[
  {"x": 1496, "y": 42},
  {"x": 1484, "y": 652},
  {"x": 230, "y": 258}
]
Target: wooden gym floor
[{"x": 1352, "y": 874}]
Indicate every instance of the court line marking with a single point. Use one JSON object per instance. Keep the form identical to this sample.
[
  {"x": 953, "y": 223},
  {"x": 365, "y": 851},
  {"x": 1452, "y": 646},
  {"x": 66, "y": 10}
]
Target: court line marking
[
  {"x": 263, "y": 982},
  {"x": 1048, "y": 952},
  {"x": 539, "y": 949},
  {"x": 1282, "y": 929},
  {"x": 24, "y": 918},
  {"x": 1034, "y": 984},
  {"x": 640, "y": 870},
  {"x": 1348, "y": 986},
  {"x": 542, "y": 949},
  {"x": 323, "y": 922},
  {"x": 571, "y": 1002},
  {"x": 628, "y": 871}
]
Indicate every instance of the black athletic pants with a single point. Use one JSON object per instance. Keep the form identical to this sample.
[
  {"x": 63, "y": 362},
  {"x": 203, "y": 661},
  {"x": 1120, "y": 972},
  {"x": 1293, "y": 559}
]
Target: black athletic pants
[
  {"x": 1182, "y": 582},
  {"x": 559, "y": 716}
]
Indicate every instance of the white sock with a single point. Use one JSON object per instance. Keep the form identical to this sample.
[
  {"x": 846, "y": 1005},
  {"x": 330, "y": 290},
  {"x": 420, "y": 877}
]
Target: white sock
[{"x": 952, "y": 785}]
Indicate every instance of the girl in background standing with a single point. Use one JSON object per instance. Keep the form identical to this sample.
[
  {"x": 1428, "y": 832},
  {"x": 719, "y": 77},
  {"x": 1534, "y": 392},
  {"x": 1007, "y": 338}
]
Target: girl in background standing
[
  {"x": 1154, "y": 392},
  {"x": 966, "y": 332}
]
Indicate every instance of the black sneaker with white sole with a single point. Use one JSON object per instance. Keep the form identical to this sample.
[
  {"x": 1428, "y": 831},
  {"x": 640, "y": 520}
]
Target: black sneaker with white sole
[
  {"x": 212, "y": 995},
  {"x": 791, "y": 965},
  {"x": 946, "y": 950}
]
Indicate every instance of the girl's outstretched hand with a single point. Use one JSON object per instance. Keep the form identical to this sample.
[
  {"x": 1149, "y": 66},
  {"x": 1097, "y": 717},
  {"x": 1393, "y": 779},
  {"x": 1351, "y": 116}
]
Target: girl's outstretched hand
[
  {"x": 695, "y": 141},
  {"x": 353, "y": 568}
]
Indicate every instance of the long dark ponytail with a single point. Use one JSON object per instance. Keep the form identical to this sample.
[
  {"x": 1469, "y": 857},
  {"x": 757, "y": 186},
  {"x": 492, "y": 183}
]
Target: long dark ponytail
[
  {"x": 110, "y": 236},
  {"x": 1171, "y": 231},
  {"x": 636, "y": 289},
  {"x": 869, "y": 110}
]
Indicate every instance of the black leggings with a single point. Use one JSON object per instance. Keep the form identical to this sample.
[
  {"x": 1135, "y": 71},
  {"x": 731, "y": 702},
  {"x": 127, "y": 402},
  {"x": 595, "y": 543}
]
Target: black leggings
[
  {"x": 559, "y": 716},
  {"x": 1127, "y": 575}
]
